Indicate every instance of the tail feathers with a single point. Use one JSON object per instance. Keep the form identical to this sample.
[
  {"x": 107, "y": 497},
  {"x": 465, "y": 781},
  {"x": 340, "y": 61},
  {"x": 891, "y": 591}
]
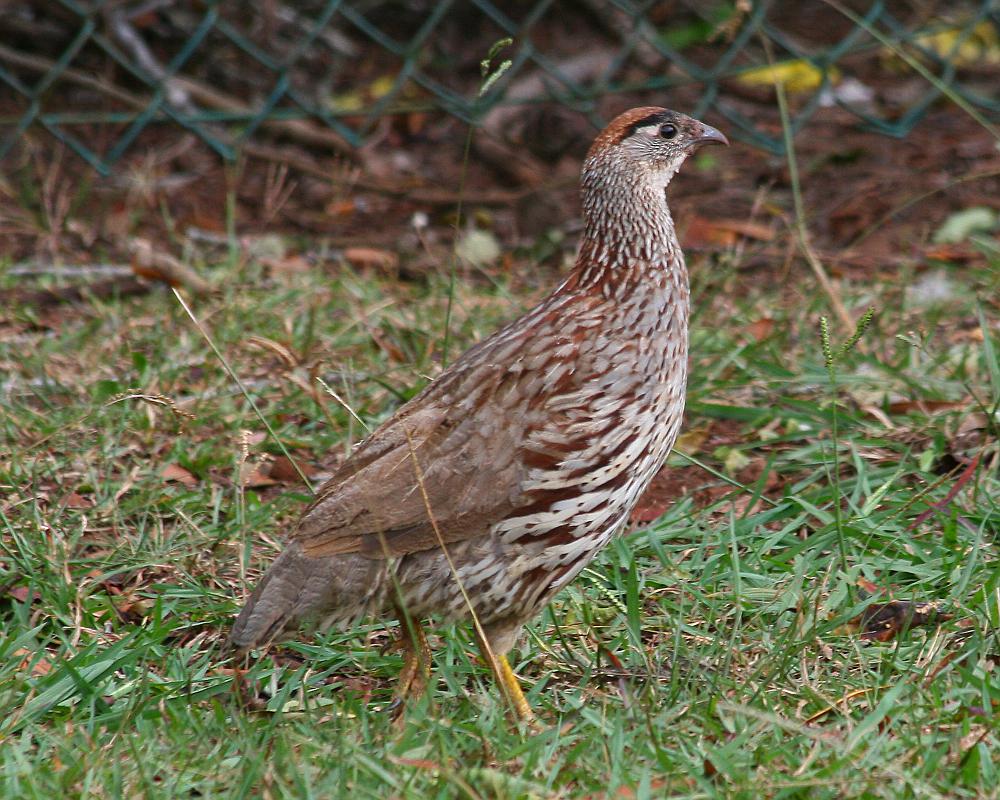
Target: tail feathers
[
  {"x": 342, "y": 588},
  {"x": 292, "y": 588}
]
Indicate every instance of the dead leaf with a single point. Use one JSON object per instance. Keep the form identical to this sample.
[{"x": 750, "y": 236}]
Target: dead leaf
[
  {"x": 130, "y": 607},
  {"x": 288, "y": 265},
  {"x": 883, "y": 622},
  {"x": 75, "y": 500},
  {"x": 479, "y": 247},
  {"x": 925, "y": 406},
  {"x": 797, "y": 75},
  {"x": 254, "y": 476},
  {"x": 175, "y": 473},
  {"x": 388, "y": 347},
  {"x": 282, "y": 352},
  {"x": 972, "y": 335},
  {"x": 660, "y": 787},
  {"x": 21, "y": 594},
  {"x": 745, "y": 228},
  {"x": 702, "y": 232},
  {"x": 760, "y": 329},
  {"x": 951, "y": 251},
  {"x": 282, "y": 469},
  {"x": 40, "y": 667},
  {"x": 371, "y": 257},
  {"x": 691, "y": 440},
  {"x": 977, "y": 421},
  {"x": 340, "y": 208},
  {"x": 976, "y": 734}
]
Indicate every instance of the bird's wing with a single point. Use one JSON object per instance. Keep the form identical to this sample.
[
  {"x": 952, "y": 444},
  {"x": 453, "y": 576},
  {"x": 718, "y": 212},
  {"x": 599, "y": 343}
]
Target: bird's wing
[
  {"x": 437, "y": 471},
  {"x": 454, "y": 460}
]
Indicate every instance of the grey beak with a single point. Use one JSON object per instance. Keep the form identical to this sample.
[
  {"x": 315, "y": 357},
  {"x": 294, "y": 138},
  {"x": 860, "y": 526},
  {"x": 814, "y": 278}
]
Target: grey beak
[{"x": 710, "y": 135}]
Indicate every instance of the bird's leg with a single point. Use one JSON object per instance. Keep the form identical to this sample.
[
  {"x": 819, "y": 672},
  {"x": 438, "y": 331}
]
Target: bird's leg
[
  {"x": 512, "y": 689},
  {"x": 416, "y": 671},
  {"x": 505, "y": 678}
]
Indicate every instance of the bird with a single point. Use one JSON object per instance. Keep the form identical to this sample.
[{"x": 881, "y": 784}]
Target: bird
[{"x": 492, "y": 488}]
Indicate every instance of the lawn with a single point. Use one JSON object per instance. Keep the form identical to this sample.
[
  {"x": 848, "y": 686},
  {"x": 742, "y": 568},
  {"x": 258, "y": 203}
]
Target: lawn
[{"x": 748, "y": 637}]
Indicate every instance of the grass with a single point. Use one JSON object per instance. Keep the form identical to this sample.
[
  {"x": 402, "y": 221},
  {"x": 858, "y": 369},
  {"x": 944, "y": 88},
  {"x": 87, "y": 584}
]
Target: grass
[{"x": 713, "y": 653}]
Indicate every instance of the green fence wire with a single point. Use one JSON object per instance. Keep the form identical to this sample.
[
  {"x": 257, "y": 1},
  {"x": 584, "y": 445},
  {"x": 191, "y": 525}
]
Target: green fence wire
[{"x": 99, "y": 75}]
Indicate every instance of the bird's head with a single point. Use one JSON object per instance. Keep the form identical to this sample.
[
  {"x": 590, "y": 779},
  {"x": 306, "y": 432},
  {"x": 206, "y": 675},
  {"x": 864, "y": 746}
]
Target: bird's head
[{"x": 647, "y": 143}]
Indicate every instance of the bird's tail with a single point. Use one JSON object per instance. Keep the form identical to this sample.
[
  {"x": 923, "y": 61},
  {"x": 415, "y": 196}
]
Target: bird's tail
[
  {"x": 336, "y": 590},
  {"x": 294, "y": 587}
]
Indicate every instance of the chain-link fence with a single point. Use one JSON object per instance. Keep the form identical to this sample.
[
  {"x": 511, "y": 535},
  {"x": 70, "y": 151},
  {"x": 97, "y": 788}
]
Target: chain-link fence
[{"x": 100, "y": 75}]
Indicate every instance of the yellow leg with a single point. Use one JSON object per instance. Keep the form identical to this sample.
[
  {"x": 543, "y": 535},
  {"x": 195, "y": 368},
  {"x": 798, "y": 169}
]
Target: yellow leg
[
  {"x": 505, "y": 678},
  {"x": 512, "y": 689},
  {"x": 416, "y": 671}
]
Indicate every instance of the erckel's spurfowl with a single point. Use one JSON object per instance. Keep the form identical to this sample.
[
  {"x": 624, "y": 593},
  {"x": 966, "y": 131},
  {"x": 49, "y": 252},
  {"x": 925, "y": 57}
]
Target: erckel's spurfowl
[{"x": 492, "y": 488}]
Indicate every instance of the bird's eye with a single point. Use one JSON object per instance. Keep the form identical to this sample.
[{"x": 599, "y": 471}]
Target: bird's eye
[{"x": 668, "y": 131}]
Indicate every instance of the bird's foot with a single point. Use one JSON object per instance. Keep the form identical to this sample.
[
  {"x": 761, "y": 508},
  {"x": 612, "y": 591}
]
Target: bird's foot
[
  {"x": 416, "y": 672},
  {"x": 511, "y": 688}
]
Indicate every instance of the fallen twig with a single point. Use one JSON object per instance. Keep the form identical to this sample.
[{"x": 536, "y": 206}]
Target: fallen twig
[
  {"x": 101, "y": 290},
  {"x": 148, "y": 262}
]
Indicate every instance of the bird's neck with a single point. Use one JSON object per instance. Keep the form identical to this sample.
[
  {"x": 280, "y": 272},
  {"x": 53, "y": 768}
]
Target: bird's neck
[{"x": 628, "y": 240}]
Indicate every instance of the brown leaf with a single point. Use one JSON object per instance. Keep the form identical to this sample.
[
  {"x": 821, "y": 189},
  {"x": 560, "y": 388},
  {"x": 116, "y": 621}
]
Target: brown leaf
[
  {"x": 131, "y": 609},
  {"x": 976, "y": 734},
  {"x": 21, "y": 594},
  {"x": 371, "y": 257},
  {"x": 690, "y": 441},
  {"x": 254, "y": 476},
  {"x": 288, "y": 265},
  {"x": 280, "y": 350},
  {"x": 388, "y": 347},
  {"x": 175, "y": 473},
  {"x": 75, "y": 500},
  {"x": 702, "y": 232},
  {"x": 340, "y": 208},
  {"x": 973, "y": 422},
  {"x": 760, "y": 329},
  {"x": 882, "y": 622},
  {"x": 211, "y": 219},
  {"x": 925, "y": 406},
  {"x": 40, "y": 667},
  {"x": 951, "y": 251},
  {"x": 746, "y": 229},
  {"x": 282, "y": 469},
  {"x": 363, "y": 685},
  {"x": 661, "y": 787}
]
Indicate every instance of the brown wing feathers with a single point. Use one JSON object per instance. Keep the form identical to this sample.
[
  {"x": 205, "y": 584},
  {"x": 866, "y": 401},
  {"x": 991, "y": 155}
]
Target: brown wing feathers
[{"x": 380, "y": 510}]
